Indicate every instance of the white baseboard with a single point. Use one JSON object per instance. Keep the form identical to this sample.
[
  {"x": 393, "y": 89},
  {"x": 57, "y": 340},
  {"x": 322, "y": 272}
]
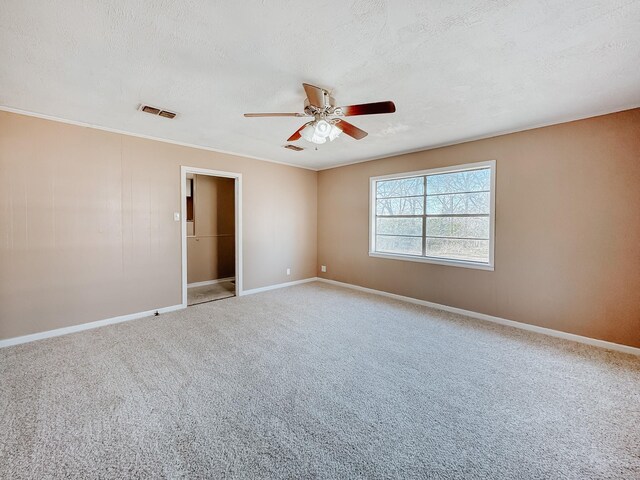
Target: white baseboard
[
  {"x": 84, "y": 326},
  {"x": 490, "y": 318},
  {"x": 209, "y": 282},
  {"x": 278, "y": 285},
  {"x": 480, "y": 316},
  {"x": 133, "y": 316}
]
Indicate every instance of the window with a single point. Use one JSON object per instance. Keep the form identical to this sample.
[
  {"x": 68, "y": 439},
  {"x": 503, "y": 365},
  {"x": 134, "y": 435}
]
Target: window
[{"x": 444, "y": 215}]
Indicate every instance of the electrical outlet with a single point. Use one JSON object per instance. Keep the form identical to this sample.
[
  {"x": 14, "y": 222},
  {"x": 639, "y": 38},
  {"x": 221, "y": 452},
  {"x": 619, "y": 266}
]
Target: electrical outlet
[
  {"x": 323, "y": 268},
  {"x": 288, "y": 271}
]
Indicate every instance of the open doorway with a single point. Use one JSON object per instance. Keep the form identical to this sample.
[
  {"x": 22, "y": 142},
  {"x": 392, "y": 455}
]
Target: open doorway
[{"x": 211, "y": 243}]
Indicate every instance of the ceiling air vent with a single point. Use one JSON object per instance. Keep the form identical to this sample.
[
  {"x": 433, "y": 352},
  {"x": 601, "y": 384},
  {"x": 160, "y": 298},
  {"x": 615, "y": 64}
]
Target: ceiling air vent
[
  {"x": 151, "y": 110},
  {"x": 295, "y": 148},
  {"x": 156, "y": 111}
]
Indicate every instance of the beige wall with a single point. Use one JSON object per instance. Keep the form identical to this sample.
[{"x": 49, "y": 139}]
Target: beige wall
[
  {"x": 87, "y": 229},
  {"x": 567, "y": 252},
  {"x": 211, "y": 251}
]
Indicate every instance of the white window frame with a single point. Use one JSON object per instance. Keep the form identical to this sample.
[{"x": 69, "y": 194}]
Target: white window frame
[{"x": 436, "y": 260}]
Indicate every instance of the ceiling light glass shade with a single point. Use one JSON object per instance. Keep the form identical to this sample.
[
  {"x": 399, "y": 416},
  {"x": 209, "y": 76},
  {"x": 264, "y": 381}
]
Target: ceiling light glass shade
[
  {"x": 309, "y": 134},
  {"x": 323, "y": 128},
  {"x": 334, "y": 133},
  {"x": 318, "y": 132}
]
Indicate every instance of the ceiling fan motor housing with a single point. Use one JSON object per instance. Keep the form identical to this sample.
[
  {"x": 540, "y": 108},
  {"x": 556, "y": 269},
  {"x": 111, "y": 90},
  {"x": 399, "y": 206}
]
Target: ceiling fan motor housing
[{"x": 329, "y": 106}]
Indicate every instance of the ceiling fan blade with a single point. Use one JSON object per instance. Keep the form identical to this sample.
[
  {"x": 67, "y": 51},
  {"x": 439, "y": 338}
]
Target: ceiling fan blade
[
  {"x": 296, "y": 135},
  {"x": 316, "y": 95},
  {"x": 351, "y": 130},
  {"x": 276, "y": 115},
  {"x": 368, "y": 108}
]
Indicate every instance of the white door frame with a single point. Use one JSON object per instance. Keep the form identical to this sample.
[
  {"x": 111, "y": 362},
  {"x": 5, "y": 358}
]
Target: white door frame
[{"x": 184, "y": 170}]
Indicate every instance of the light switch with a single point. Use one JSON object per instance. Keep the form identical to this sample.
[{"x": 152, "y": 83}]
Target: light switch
[{"x": 176, "y": 216}]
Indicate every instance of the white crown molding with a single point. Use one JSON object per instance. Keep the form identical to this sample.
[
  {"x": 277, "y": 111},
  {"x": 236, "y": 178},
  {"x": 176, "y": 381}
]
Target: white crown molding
[
  {"x": 490, "y": 318},
  {"x": 84, "y": 326},
  {"x": 499, "y": 133},
  {"x": 484, "y": 137},
  {"x": 53, "y": 118}
]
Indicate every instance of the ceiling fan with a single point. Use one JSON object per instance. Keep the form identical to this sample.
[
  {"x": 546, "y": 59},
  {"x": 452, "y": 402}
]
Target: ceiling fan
[{"x": 327, "y": 123}]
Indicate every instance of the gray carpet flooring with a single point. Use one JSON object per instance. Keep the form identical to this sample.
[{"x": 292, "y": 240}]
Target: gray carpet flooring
[
  {"x": 316, "y": 381},
  {"x": 208, "y": 293}
]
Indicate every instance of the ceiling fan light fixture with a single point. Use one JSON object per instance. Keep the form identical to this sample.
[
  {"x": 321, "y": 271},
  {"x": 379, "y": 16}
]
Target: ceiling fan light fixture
[
  {"x": 320, "y": 105},
  {"x": 319, "y": 132},
  {"x": 310, "y": 134},
  {"x": 323, "y": 128}
]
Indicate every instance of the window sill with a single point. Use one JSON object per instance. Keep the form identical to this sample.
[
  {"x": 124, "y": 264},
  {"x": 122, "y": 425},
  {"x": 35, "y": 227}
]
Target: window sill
[{"x": 436, "y": 261}]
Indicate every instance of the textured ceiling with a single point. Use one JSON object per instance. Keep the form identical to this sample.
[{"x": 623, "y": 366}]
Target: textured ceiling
[{"x": 456, "y": 70}]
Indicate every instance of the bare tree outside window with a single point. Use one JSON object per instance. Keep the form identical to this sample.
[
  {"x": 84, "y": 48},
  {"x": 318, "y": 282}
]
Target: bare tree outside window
[{"x": 441, "y": 215}]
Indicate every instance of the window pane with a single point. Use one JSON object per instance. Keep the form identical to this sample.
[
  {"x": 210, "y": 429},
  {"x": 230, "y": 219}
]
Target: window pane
[
  {"x": 473, "y": 250},
  {"x": 400, "y": 206},
  {"x": 458, "y": 203},
  {"x": 399, "y": 226},
  {"x": 404, "y": 245},
  {"x": 403, "y": 187},
  {"x": 469, "y": 181},
  {"x": 468, "y": 227}
]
